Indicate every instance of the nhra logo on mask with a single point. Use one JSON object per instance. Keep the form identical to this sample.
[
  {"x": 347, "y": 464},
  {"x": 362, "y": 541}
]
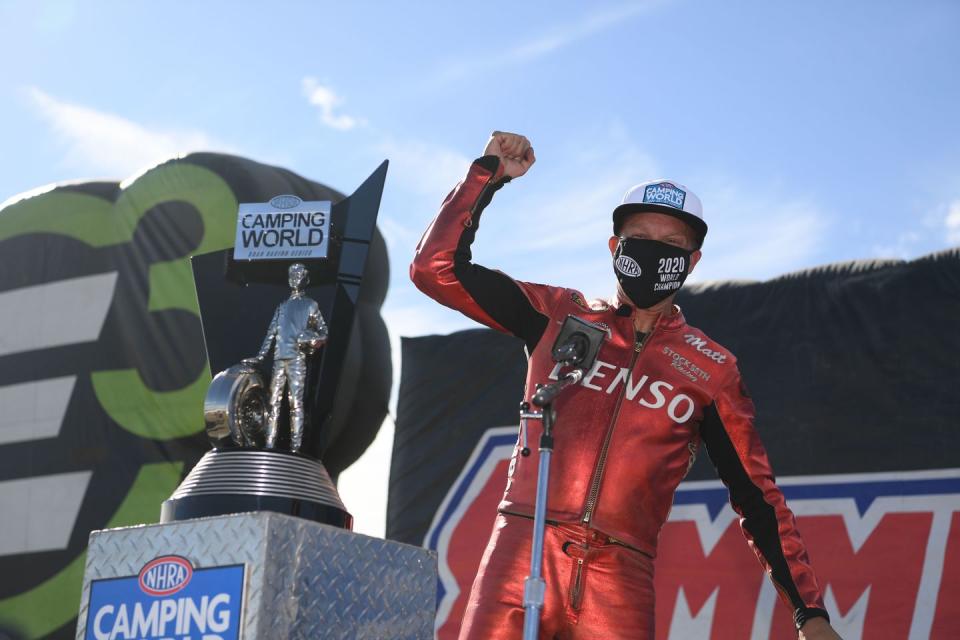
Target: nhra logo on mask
[
  {"x": 628, "y": 266},
  {"x": 664, "y": 193}
]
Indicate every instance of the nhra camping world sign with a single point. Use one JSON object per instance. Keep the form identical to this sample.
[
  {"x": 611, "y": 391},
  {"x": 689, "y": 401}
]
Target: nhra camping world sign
[
  {"x": 885, "y": 546},
  {"x": 282, "y": 229},
  {"x": 169, "y": 599}
]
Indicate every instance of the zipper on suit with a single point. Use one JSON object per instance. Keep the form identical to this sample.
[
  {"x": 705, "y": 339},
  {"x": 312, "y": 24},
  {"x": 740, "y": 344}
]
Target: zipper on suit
[
  {"x": 487, "y": 188},
  {"x": 598, "y": 471},
  {"x": 576, "y": 592}
]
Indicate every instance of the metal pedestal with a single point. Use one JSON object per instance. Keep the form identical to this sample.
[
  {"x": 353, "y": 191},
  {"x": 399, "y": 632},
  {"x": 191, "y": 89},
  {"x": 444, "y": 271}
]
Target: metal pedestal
[{"x": 302, "y": 579}]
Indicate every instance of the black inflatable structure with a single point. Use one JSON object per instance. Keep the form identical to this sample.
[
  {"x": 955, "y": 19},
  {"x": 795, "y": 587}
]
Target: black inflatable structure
[{"x": 132, "y": 424}]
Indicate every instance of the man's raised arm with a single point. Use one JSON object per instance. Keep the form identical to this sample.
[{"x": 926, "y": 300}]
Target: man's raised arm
[{"x": 442, "y": 266}]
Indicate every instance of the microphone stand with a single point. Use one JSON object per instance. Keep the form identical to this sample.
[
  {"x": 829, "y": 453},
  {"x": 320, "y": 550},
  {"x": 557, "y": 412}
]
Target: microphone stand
[{"x": 534, "y": 587}]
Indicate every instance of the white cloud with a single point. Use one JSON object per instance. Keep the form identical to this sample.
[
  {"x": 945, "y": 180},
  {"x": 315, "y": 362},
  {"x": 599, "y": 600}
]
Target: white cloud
[
  {"x": 928, "y": 232},
  {"x": 757, "y": 235},
  {"x": 552, "y": 225},
  {"x": 574, "y": 206},
  {"x": 100, "y": 142},
  {"x": 541, "y": 226},
  {"x": 420, "y": 176},
  {"x": 426, "y": 169},
  {"x": 327, "y": 101},
  {"x": 554, "y": 39},
  {"x": 903, "y": 247},
  {"x": 952, "y": 222},
  {"x": 398, "y": 235}
]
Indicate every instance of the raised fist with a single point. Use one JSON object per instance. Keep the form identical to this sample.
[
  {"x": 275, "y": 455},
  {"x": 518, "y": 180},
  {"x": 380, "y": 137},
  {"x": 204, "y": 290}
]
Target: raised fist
[{"x": 514, "y": 151}]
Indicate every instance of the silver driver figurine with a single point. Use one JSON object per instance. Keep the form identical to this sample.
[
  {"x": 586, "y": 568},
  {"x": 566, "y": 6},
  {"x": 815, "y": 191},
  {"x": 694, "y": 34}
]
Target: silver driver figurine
[{"x": 297, "y": 329}]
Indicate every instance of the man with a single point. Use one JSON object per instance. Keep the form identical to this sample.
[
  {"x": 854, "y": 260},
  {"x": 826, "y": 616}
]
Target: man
[
  {"x": 626, "y": 435},
  {"x": 296, "y": 329}
]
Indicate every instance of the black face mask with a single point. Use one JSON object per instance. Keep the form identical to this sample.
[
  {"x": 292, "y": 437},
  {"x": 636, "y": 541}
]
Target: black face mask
[{"x": 649, "y": 270}]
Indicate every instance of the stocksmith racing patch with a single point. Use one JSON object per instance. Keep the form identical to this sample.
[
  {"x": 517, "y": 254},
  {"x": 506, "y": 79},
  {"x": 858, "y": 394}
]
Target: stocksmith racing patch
[
  {"x": 684, "y": 366},
  {"x": 664, "y": 193},
  {"x": 169, "y": 599}
]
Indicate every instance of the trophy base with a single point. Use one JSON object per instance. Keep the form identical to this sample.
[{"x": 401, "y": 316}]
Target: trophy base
[
  {"x": 229, "y": 481},
  {"x": 298, "y": 579}
]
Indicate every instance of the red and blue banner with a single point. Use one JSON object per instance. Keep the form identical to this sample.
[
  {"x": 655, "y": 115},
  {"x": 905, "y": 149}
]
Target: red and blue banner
[
  {"x": 854, "y": 374},
  {"x": 886, "y": 548}
]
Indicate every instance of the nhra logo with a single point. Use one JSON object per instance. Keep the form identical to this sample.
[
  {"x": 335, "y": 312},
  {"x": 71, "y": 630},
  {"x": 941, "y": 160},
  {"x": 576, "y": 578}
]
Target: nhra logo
[
  {"x": 664, "y": 193},
  {"x": 285, "y": 202},
  {"x": 165, "y": 576},
  {"x": 628, "y": 266},
  {"x": 885, "y": 548}
]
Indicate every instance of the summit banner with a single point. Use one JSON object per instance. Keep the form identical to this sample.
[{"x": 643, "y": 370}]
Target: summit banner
[{"x": 886, "y": 548}]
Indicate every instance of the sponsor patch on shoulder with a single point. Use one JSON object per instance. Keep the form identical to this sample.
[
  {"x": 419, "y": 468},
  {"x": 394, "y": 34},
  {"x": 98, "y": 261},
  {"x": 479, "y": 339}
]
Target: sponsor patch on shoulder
[
  {"x": 579, "y": 301},
  {"x": 593, "y": 305}
]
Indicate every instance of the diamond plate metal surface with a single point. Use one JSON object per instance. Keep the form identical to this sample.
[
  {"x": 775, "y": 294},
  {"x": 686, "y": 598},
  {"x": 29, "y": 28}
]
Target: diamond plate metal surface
[{"x": 303, "y": 579}]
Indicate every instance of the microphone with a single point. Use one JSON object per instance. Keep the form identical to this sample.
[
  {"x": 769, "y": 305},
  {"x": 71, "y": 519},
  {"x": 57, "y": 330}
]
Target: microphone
[
  {"x": 577, "y": 345},
  {"x": 572, "y": 351}
]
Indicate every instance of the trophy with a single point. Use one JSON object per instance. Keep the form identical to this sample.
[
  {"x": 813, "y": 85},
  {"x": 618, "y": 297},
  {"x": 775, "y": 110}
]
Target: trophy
[
  {"x": 265, "y": 414},
  {"x": 255, "y": 542},
  {"x": 296, "y": 331}
]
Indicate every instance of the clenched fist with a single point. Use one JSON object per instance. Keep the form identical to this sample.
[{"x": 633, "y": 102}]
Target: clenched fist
[{"x": 514, "y": 151}]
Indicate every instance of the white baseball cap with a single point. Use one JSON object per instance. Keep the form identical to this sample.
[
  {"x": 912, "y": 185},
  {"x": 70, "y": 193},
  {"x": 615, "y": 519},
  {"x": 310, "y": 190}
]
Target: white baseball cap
[{"x": 662, "y": 196}]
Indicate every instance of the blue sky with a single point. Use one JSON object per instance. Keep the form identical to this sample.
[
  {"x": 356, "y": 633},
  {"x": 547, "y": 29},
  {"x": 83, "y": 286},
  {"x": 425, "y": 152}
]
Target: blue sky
[{"x": 813, "y": 132}]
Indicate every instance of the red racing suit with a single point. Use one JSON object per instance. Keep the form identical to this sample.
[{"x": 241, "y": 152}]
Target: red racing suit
[{"x": 628, "y": 433}]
